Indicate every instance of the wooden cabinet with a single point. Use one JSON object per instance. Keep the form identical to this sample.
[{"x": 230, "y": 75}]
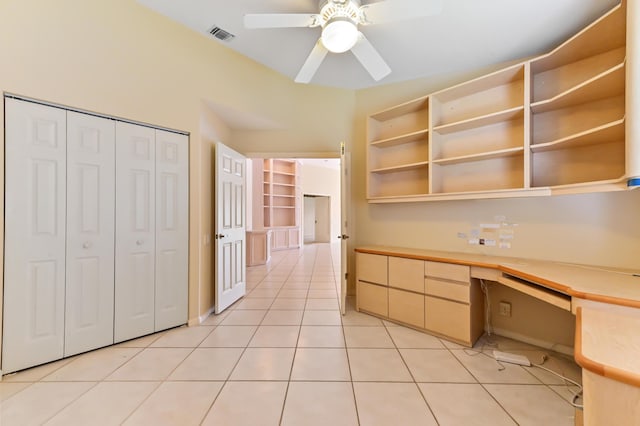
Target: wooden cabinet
[
  {"x": 277, "y": 200},
  {"x": 437, "y": 297},
  {"x": 406, "y": 307},
  {"x": 372, "y": 278},
  {"x": 373, "y": 298},
  {"x": 258, "y": 247},
  {"x": 372, "y": 268},
  {"x": 554, "y": 124},
  {"x": 453, "y": 302}
]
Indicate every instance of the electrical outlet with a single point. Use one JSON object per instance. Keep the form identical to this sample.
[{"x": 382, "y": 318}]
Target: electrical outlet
[{"x": 505, "y": 309}]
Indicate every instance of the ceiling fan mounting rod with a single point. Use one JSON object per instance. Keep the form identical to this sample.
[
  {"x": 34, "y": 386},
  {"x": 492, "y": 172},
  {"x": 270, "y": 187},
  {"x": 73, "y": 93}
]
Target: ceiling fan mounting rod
[{"x": 349, "y": 9}]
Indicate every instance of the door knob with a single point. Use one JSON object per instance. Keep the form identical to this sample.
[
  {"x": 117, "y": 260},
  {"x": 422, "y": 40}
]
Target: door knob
[
  {"x": 219, "y": 236},
  {"x": 343, "y": 237}
]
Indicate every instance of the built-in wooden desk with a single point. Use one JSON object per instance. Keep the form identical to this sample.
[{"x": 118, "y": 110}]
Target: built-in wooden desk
[{"x": 606, "y": 302}]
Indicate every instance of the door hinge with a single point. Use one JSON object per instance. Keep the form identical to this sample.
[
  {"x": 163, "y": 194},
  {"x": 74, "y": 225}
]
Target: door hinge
[{"x": 346, "y": 276}]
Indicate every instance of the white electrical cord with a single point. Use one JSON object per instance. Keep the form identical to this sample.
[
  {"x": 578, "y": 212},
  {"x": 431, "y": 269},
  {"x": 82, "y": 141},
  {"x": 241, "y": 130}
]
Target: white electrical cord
[
  {"x": 575, "y": 394},
  {"x": 487, "y": 307}
]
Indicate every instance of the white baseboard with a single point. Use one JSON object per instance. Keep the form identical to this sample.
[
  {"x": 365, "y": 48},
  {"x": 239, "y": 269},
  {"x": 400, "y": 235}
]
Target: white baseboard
[
  {"x": 556, "y": 347},
  {"x": 203, "y": 317}
]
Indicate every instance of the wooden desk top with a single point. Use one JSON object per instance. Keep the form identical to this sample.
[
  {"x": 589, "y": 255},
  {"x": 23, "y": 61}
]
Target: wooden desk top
[{"x": 607, "y": 285}]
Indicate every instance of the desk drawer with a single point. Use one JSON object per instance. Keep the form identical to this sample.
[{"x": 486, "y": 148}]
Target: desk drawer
[
  {"x": 372, "y": 268},
  {"x": 407, "y": 274},
  {"x": 372, "y": 298},
  {"x": 406, "y": 307},
  {"x": 447, "y": 289},
  {"x": 447, "y": 271},
  {"x": 448, "y": 318}
]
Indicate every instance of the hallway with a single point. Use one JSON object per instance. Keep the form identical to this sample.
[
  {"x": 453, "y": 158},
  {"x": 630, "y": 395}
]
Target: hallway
[{"x": 285, "y": 355}]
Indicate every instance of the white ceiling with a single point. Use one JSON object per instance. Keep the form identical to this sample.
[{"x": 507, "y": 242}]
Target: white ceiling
[{"x": 466, "y": 36}]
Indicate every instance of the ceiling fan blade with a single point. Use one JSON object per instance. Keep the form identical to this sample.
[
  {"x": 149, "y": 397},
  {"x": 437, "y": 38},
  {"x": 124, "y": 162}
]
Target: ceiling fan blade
[
  {"x": 400, "y": 10},
  {"x": 370, "y": 58},
  {"x": 280, "y": 20},
  {"x": 312, "y": 63}
]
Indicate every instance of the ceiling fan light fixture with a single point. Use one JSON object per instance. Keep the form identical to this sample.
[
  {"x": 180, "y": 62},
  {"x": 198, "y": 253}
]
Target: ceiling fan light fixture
[{"x": 339, "y": 34}]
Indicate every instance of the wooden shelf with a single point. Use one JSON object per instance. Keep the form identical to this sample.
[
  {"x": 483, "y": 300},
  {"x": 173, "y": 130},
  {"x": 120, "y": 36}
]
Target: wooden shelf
[
  {"x": 553, "y": 124},
  {"x": 484, "y": 120},
  {"x": 510, "y": 152},
  {"x": 605, "y": 85},
  {"x": 500, "y": 91},
  {"x": 403, "y": 109},
  {"x": 609, "y": 132},
  {"x": 605, "y": 34},
  {"x": 402, "y": 168},
  {"x": 402, "y": 139}
]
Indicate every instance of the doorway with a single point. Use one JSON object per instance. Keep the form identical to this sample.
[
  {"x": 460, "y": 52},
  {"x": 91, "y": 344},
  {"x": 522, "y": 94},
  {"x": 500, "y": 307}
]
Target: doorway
[{"x": 316, "y": 218}]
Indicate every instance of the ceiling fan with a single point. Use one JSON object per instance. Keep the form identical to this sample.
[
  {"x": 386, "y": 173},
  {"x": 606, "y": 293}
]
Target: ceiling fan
[{"x": 339, "y": 20}]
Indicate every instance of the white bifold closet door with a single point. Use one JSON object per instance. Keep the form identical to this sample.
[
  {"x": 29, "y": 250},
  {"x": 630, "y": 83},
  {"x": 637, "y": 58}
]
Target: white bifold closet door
[
  {"x": 152, "y": 187},
  {"x": 34, "y": 271},
  {"x": 90, "y": 232},
  {"x": 135, "y": 231},
  {"x": 59, "y": 236},
  {"x": 172, "y": 229}
]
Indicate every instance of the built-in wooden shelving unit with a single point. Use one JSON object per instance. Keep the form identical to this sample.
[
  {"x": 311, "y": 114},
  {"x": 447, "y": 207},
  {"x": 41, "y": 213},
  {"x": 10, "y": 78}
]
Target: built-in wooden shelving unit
[{"x": 554, "y": 124}]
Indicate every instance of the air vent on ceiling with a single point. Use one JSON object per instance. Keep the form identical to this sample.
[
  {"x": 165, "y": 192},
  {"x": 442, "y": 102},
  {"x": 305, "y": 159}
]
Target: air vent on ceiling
[{"x": 221, "y": 34}]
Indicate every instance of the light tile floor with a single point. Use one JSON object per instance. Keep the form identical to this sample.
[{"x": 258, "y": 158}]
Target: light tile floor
[{"x": 284, "y": 355}]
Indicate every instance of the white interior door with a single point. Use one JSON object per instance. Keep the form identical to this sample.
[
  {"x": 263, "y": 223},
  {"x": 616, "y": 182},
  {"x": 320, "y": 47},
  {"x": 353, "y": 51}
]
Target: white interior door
[
  {"x": 172, "y": 229},
  {"x": 309, "y": 219},
  {"x": 135, "y": 231},
  {"x": 34, "y": 263},
  {"x": 230, "y": 235},
  {"x": 90, "y": 232},
  {"x": 345, "y": 198},
  {"x": 323, "y": 219}
]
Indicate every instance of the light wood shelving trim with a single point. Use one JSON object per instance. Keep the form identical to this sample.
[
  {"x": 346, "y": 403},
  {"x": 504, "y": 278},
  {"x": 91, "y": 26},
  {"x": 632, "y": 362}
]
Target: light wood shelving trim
[
  {"x": 607, "y": 185},
  {"x": 609, "y": 132},
  {"x": 606, "y": 33},
  {"x": 605, "y": 85},
  {"x": 401, "y": 168},
  {"x": 415, "y": 105},
  {"x": 480, "y": 121},
  {"x": 416, "y": 136},
  {"x": 501, "y": 153},
  {"x": 469, "y": 195}
]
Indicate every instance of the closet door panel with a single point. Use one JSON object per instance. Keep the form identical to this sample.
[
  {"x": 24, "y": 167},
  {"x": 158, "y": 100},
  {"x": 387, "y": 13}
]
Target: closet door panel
[
  {"x": 135, "y": 231},
  {"x": 34, "y": 268},
  {"x": 90, "y": 232},
  {"x": 172, "y": 229}
]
